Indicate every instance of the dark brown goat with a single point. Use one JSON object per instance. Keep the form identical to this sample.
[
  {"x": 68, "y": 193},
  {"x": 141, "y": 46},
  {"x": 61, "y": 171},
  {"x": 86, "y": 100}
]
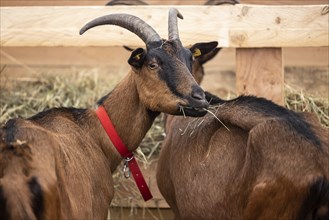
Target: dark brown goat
[
  {"x": 58, "y": 163},
  {"x": 269, "y": 163}
]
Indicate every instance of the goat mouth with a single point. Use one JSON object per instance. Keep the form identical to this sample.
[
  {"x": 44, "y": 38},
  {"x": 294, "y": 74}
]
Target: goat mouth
[{"x": 192, "y": 111}]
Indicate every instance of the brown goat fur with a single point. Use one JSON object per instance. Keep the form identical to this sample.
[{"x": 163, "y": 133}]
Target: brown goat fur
[{"x": 58, "y": 164}]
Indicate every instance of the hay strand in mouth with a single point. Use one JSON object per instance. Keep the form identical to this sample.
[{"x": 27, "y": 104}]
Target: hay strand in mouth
[
  {"x": 181, "y": 109},
  {"x": 210, "y": 112}
]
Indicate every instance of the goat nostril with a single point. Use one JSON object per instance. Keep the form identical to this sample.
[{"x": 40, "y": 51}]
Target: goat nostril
[{"x": 198, "y": 95}]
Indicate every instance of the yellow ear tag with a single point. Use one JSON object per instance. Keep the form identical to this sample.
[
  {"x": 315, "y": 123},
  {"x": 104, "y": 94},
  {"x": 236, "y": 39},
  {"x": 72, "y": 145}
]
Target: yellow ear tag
[
  {"x": 197, "y": 52},
  {"x": 138, "y": 57}
]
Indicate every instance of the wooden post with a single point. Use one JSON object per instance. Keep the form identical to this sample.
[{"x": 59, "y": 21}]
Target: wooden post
[{"x": 260, "y": 72}]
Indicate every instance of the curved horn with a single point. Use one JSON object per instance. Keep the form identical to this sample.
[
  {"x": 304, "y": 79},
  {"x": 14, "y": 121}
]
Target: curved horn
[
  {"x": 172, "y": 23},
  {"x": 129, "y": 22},
  {"x": 126, "y": 2},
  {"x": 222, "y": 2}
]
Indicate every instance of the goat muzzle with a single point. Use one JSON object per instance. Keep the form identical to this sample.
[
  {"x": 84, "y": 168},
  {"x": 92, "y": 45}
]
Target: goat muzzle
[{"x": 196, "y": 106}]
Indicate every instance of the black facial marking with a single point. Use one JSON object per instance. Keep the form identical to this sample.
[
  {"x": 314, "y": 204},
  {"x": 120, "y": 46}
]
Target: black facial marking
[
  {"x": 186, "y": 57},
  {"x": 166, "y": 71},
  {"x": 167, "y": 74},
  {"x": 168, "y": 57},
  {"x": 37, "y": 198}
]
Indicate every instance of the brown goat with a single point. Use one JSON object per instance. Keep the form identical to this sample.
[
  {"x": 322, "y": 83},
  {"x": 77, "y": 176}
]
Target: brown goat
[
  {"x": 58, "y": 163},
  {"x": 269, "y": 163}
]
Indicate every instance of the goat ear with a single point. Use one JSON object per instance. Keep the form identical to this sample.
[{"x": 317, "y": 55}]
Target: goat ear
[
  {"x": 137, "y": 58},
  {"x": 205, "y": 51}
]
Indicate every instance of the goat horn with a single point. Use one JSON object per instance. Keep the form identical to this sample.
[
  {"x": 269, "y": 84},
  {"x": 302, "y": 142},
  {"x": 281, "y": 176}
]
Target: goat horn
[
  {"x": 172, "y": 23},
  {"x": 126, "y": 2},
  {"x": 129, "y": 22},
  {"x": 222, "y": 2}
]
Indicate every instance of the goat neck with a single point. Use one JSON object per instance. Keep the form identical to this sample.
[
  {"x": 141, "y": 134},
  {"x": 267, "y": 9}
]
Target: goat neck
[{"x": 129, "y": 116}]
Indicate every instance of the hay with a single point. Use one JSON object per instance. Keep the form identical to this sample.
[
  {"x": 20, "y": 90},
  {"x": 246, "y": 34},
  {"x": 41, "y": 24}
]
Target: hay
[
  {"x": 300, "y": 101},
  {"x": 24, "y": 98}
]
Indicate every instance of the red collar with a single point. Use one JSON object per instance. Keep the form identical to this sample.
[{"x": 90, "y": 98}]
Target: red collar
[{"x": 124, "y": 152}]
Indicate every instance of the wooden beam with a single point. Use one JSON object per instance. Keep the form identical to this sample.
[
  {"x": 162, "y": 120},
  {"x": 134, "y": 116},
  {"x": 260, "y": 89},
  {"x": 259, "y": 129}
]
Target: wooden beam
[
  {"x": 246, "y": 26},
  {"x": 260, "y": 72},
  {"x": 103, "y": 56}
]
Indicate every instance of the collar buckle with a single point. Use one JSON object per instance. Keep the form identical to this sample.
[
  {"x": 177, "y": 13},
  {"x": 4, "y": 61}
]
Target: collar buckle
[{"x": 125, "y": 169}]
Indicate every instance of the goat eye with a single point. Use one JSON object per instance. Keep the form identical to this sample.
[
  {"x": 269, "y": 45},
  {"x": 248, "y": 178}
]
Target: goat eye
[{"x": 152, "y": 66}]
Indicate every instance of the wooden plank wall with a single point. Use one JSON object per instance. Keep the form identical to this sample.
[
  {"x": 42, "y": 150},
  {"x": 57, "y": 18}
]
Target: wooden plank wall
[{"x": 152, "y": 2}]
